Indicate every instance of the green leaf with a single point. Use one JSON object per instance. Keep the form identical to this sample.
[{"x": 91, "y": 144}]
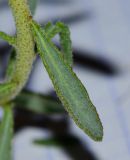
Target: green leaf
[
  {"x": 68, "y": 87},
  {"x": 48, "y": 142},
  {"x": 11, "y": 40},
  {"x": 5, "y": 90},
  {"x": 38, "y": 103},
  {"x": 11, "y": 65},
  {"x": 33, "y": 5},
  {"x": 57, "y": 141},
  {"x": 6, "y": 133},
  {"x": 65, "y": 40}
]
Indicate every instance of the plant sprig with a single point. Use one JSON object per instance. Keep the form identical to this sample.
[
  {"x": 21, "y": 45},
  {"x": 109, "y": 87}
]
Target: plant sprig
[{"x": 59, "y": 65}]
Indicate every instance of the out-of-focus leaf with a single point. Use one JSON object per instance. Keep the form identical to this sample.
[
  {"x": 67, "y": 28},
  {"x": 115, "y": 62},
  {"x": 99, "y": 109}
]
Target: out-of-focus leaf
[
  {"x": 57, "y": 141},
  {"x": 5, "y": 90},
  {"x": 6, "y": 133},
  {"x": 47, "y": 142},
  {"x": 33, "y": 5},
  {"x": 39, "y": 103},
  {"x": 68, "y": 87}
]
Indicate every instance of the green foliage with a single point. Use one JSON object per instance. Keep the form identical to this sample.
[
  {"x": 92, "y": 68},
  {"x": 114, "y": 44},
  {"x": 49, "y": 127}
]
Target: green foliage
[
  {"x": 8, "y": 38},
  {"x": 68, "y": 87},
  {"x": 65, "y": 41},
  {"x": 57, "y": 141},
  {"x": 6, "y": 133},
  {"x": 58, "y": 64}
]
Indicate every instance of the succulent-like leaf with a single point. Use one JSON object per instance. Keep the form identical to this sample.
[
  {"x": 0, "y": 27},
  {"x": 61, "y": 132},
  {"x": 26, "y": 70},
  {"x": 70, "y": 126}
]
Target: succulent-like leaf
[
  {"x": 68, "y": 87},
  {"x": 6, "y": 133}
]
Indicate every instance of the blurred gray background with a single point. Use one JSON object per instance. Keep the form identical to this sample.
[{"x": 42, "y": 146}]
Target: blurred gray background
[{"x": 100, "y": 32}]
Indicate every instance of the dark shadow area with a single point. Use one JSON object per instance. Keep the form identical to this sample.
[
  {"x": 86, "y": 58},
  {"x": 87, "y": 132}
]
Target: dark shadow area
[
  {"x": 71, "y": 144},
  {"x": 85, "y": 59},
  {"x": 88, "y": 60}
]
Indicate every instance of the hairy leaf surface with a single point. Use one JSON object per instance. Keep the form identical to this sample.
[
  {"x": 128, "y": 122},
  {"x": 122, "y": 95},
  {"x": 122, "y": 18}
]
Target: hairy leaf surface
[{"x": 68, "y": 87}]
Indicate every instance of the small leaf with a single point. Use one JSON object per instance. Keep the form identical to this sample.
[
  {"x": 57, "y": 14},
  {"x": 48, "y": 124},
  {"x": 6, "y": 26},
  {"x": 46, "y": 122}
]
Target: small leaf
[
  {"x": 6, "y": 133},
  {"x": 11, "y": 40},
  {"x": 38, "y": 103},
  {"x": 59, "y": 141},
  {"x": 65, "y": 40},
  {"x": 68, "y": 87},
  {"x": 47, "y": 142}
]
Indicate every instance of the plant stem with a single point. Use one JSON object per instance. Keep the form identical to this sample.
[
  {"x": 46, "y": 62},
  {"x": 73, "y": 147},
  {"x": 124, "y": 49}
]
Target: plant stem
[
  {"x": 24, "y": 40},
  {"x": 24, "y": 47}
]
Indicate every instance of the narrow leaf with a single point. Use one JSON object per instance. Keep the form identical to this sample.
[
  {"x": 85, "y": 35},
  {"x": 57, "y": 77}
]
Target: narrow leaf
[
  {"x": 65, "y": 40},
  {"x": 6, "y": 133},
  {"x": 11, "y": 40},
  {"x": 48, "y": 142},
  {"x": 69, "y": 88},
  {"x": 59, "y": 141}
]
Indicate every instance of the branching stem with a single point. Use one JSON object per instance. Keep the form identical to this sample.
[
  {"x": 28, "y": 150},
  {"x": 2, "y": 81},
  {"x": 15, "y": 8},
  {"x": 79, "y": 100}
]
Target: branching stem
[{"x": 24, "y": 51}]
